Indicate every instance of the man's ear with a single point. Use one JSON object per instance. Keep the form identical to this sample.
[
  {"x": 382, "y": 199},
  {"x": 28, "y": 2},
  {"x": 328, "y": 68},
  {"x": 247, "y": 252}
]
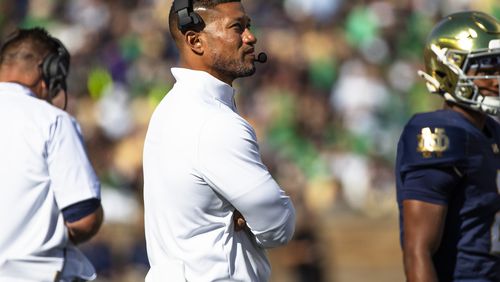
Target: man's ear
[
  {"x": 42, "y": 90},
  {"x": 44, "y": 85},
  {"x": 194, "y": 41}
]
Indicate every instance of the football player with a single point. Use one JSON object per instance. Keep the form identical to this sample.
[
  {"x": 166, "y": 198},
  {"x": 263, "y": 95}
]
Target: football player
[{"x": 448, "y": 161}]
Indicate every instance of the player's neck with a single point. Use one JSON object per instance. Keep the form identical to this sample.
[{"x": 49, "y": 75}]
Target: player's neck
[{"x": 478, "y": 119}]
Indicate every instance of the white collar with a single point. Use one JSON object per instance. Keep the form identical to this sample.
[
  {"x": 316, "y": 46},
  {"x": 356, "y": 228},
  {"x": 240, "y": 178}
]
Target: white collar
[
  {"x": 15, "y": 87},
  {"x": 207, "y": 83}
]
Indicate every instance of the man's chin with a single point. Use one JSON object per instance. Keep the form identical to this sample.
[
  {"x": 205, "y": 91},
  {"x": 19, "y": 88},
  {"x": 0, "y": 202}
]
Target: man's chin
[{"x": 248, "y": 72}]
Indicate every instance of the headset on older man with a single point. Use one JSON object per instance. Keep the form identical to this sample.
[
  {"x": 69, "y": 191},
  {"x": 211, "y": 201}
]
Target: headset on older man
[{"x": 55, "y": 66}]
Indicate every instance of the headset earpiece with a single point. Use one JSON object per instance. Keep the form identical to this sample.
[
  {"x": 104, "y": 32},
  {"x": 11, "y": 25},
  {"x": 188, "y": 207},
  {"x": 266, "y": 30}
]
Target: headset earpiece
[
  {"x": 187, "y": 17},
  {"x": 55, "y": 69}
]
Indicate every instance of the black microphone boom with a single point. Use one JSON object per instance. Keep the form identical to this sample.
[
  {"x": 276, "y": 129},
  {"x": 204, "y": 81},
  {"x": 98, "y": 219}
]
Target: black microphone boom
[{"x": 261, "y": 58}]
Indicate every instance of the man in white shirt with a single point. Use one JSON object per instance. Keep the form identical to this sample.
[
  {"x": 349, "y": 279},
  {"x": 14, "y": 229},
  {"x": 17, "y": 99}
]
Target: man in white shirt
[
  {"x": 50, "y": 195},
  {"x": 211, "y": 205}
]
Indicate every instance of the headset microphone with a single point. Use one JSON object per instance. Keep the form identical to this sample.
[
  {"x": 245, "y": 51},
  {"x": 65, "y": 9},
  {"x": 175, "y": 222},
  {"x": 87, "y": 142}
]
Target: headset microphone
[{"x": 261, "y": 58}]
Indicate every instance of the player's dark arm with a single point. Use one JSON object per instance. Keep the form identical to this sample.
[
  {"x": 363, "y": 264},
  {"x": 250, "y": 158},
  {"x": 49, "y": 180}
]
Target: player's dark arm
[
  {"x": 83, "y": 220},
  {"x": 423, "y": 229}
]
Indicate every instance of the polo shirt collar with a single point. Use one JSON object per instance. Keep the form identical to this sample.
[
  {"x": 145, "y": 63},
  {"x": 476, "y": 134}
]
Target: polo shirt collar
[
  {"x": 14, "y": 87},
  {"x": 210, "y": 85}
]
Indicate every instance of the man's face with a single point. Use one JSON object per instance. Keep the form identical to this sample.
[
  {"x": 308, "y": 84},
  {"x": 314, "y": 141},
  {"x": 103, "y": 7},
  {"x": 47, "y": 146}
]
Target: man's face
[
  {"x": 230, "y": 48},
  {"x": 488, "y": 86},
  {"x": 486, "y": 76}
]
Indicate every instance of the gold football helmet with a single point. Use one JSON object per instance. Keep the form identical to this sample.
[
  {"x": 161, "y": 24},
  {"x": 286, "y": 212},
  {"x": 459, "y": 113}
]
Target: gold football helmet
[{"x": 462, "y": 48}]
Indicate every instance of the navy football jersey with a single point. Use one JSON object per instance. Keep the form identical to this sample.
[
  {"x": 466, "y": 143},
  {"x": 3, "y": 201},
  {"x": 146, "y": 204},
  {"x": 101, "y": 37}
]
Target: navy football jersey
[{"x": 444, "y": 159}]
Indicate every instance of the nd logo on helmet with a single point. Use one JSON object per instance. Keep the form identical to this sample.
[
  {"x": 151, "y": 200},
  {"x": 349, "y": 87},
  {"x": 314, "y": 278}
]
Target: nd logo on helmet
[{"x": 432, "y": 142}]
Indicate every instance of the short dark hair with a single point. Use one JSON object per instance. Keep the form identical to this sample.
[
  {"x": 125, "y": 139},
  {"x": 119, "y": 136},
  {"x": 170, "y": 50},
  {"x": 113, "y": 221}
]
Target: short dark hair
[
  {"x": 37, "y": 42},
  {"x": 208, "y": 4}
]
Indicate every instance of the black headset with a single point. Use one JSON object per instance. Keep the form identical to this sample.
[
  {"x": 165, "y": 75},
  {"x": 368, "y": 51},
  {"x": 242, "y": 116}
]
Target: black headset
[
  {"x": 188, "y": 18},
  {"x": 55, "y": 67}
]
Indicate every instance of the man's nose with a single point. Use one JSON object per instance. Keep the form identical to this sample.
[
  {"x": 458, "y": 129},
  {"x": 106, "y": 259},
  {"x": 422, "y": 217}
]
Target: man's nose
[
  {"x": 249, "y": 37},
  {"x": 496, "y": 81}
]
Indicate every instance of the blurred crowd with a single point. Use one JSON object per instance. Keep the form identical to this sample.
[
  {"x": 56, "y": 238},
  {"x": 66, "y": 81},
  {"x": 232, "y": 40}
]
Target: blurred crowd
[{"x": 328, "y": 106}]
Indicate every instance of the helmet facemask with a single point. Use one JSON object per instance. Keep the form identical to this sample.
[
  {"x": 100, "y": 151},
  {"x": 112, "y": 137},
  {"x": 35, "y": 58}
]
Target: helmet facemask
[{"x": 479, "y": 66}]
